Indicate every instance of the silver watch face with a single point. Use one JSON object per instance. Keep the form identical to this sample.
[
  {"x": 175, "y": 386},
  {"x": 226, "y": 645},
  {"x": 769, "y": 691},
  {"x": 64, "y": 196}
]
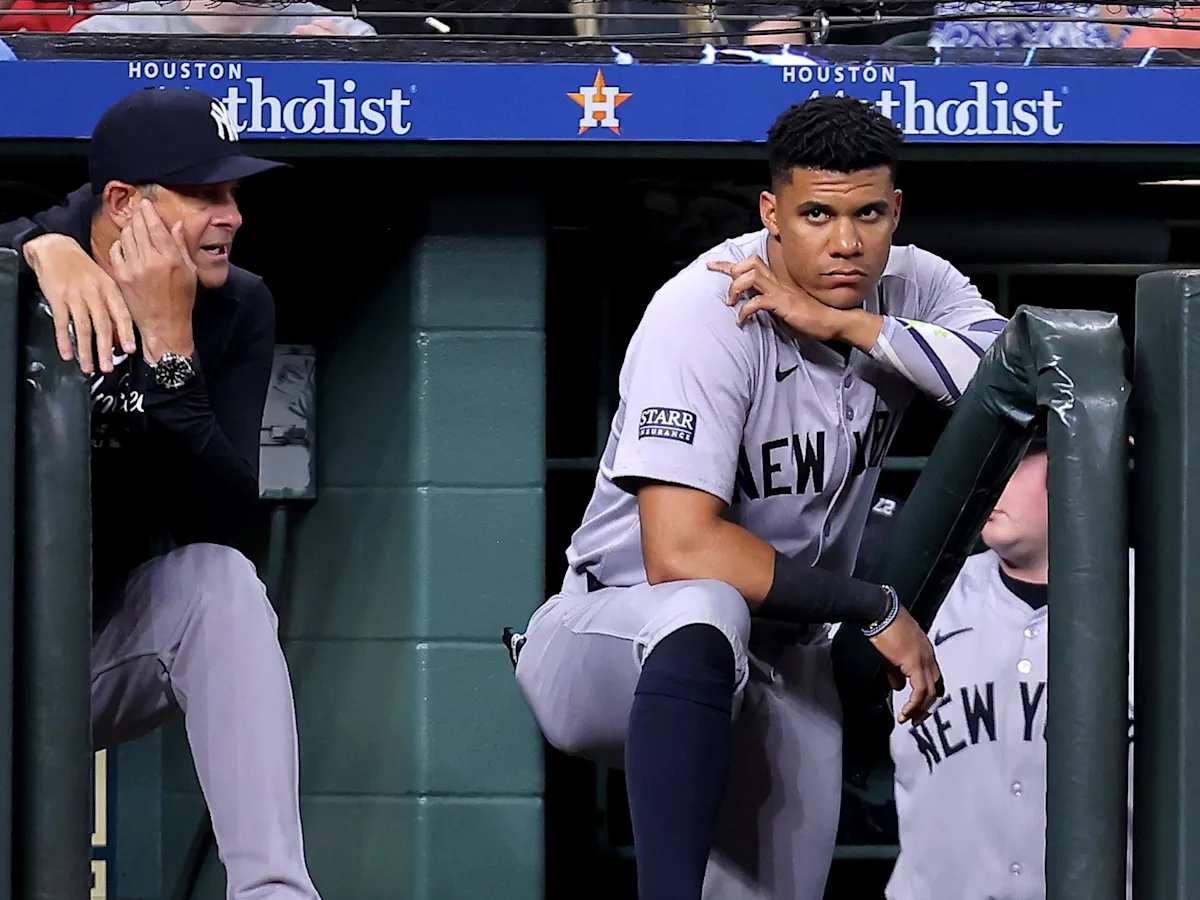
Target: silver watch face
[{"x": 173, "y": 371}]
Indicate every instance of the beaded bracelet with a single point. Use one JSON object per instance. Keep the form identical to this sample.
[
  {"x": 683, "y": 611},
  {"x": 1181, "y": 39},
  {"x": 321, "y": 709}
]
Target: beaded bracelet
[{"x": 893, "y": 609}]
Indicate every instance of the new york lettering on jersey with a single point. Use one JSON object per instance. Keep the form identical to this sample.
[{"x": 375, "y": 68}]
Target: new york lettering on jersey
[
  {"x": 967, "y": 717},
  {"x": 797, "y": 463}
]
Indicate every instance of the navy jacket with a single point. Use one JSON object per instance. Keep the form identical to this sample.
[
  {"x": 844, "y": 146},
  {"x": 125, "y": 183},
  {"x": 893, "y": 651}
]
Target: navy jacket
[{"x": 171, "y": 467}]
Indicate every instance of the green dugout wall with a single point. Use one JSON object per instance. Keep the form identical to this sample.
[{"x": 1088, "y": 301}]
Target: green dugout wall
[{"x": 421, "y": 770}]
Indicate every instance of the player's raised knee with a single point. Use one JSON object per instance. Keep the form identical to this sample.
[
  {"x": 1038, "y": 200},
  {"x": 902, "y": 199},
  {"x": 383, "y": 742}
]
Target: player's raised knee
[
  {"x": 218, "y": 564},
  {"x": 567, "y": 736},
  {"x": 711, "y": 602},
  {"x": 226, "y": 583}
]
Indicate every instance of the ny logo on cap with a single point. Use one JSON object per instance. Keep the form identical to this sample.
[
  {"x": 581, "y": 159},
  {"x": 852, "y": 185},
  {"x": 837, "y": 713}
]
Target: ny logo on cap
[{"x": 226, "y": 130}]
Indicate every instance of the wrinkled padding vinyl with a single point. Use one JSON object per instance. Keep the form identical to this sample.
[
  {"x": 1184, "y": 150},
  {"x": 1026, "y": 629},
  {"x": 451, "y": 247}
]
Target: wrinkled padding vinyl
[
  {"x": 8, "y": 409},
  {"x": 1071, "y": 364},
  {"x": 53, "y": 614}
]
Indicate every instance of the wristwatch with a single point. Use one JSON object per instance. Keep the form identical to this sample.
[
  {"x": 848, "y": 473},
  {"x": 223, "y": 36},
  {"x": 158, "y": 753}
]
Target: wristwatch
[{"x": 173, "y": 371}]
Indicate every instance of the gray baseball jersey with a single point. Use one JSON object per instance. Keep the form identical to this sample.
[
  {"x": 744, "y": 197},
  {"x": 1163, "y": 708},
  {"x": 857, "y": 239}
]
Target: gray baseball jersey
[
  {"x": 784, "y": 429},
  {"x": 971, "y": 779}
]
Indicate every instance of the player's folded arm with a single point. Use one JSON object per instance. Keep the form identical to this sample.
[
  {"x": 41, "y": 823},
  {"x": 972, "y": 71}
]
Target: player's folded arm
[
  {"x": 939, "y": 348},
  {"x": 686, "y": 537}
]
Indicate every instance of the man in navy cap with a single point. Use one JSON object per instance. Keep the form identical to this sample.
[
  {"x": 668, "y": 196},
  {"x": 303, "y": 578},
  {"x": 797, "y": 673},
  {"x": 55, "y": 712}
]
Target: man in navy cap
[{"x": 140, "y": 258}]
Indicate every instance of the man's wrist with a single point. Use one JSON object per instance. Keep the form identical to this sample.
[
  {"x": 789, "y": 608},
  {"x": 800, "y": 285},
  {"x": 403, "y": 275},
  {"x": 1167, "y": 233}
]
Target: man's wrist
[
  {"x": 891, "y": 608},
  {"x": 805, "y": 594},
  {"x": 170, "y": 340},
  {"x": 831, "y": 324},
  {"x": 34, "y": 248},
  {"x": 858, "y": 327}
]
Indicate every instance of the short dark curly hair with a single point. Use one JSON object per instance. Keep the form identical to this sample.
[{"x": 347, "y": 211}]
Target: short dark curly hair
[{"x": 833, "y": 134}]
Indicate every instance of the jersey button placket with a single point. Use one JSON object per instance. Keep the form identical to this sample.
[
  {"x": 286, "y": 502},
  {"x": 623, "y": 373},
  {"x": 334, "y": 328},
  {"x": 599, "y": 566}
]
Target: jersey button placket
[{"x": 844, "y": 414}]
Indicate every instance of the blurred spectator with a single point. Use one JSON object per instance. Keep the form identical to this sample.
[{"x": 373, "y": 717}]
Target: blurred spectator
[
  {"x": 585, "y": 27},
  {"x": 257, "y": 18},
  {"x": 33, "y": 15},
  {"x": 1149, "y": 36},
  {"x": 625, "y": 26},
  {"x": 774, "y": 33},
  {"x": 867, "y": 32},
  {"x": 773, "y": 17},
  {"x": 1000, "y": 33}
]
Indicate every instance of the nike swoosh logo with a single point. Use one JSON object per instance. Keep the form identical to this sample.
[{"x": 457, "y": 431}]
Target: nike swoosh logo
[
  {"x": 781, "y": 374},
  {"x": 940, "y": 638}
]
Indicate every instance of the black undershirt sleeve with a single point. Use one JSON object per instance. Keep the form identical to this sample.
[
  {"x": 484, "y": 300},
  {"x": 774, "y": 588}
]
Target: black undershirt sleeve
[
  {"x": 215, "y": 422},
  {"x": 803, "y": 594}
]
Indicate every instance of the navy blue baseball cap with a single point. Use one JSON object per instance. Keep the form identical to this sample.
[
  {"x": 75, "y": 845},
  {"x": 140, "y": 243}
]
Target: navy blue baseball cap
[{"x": 168, "y": 136}]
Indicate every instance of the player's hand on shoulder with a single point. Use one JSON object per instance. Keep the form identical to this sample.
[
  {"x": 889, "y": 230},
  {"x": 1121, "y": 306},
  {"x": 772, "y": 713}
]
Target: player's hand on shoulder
[
  {"x": 910, "y": 658},
  {"x": 753, "y": 279},
  {"x": 82, "y": 298}
]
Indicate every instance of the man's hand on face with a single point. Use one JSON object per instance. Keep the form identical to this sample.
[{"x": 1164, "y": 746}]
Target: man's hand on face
[
  {"x": 157, "y": 277},
  {"x": 82, "y": 297},
  {"x": 797, "y": 309}
]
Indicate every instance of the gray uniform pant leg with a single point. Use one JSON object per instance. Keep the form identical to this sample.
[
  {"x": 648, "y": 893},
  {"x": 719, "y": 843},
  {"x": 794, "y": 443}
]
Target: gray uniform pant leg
[
  {"x": 578, "y": 670},
  {"x": 583, "y": 655},
  {"x": 193, "y": 631},
  {"x": 778, "y": 826}
]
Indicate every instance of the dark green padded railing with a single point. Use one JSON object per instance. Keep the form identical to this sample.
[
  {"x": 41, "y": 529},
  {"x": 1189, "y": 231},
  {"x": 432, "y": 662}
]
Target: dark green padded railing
[
  {"x": 1166, "y": 502},
  {"x": 53, "y": 748},
  {"x": 1070, "y": 364},
  {"x": 8, "y": 430}
]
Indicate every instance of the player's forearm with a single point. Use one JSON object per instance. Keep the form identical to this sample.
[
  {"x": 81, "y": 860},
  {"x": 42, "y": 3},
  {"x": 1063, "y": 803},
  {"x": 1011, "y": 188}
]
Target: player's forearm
[
  {"x": 858, "y": 328},
  {"x": 774, "y": 586},
  {"x": 717, "y": 550},
  {"x": 940, "y": 361}
]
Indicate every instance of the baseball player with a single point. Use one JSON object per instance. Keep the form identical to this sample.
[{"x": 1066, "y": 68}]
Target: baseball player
[
  {"x": 757, "y": 399},
  {"x": 985, "y": 744}
]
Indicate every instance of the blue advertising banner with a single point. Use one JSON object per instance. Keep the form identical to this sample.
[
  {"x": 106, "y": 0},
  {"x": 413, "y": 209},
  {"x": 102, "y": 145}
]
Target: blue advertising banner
[{"x": 669, "y": 102}]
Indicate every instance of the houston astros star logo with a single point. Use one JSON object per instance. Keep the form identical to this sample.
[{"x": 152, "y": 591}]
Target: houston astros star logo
[{"x": 599, "y": 102}]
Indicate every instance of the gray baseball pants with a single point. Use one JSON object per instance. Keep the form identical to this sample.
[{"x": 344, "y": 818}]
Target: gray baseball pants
[
  {"x": 193, "y": 632},
  {"x": 579, "y": 666}
]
